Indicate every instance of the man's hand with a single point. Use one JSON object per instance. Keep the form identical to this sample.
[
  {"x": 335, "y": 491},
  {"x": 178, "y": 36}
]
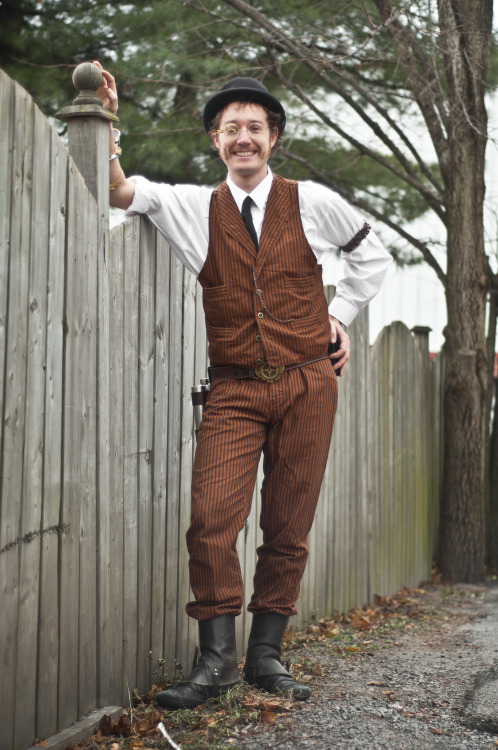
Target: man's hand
[
  {"x": 123, "y": 193},
  {"x": 341, "y": 356},
  {"x": 107, "y": 91}
]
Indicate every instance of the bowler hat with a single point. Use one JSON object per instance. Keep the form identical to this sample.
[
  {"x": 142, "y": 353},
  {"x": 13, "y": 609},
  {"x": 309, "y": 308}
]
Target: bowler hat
[{"x": 241, "y": 89}]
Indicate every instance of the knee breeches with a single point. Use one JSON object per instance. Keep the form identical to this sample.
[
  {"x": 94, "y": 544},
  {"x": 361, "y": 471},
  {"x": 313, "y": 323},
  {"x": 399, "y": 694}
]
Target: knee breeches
[{"x": 290, "y": 422}]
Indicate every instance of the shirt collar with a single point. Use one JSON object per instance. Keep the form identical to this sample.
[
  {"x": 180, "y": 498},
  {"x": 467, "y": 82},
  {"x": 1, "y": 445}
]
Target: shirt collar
[{"x": 259, "y": 194}]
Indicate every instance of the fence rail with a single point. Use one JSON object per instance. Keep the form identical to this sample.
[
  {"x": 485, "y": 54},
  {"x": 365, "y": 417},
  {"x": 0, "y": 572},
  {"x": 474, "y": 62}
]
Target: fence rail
[{"x": 101, "y": 338}]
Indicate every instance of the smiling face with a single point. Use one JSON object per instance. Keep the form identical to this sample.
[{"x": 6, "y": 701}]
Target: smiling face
[{"x": 246, "y": 155}]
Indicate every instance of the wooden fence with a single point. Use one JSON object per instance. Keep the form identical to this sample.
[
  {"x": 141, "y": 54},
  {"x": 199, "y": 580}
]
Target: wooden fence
[{"x": 101, "y": 339}]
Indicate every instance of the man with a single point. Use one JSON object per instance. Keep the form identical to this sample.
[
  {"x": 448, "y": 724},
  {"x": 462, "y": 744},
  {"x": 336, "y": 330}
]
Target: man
[{"x": 256, "y": 244}]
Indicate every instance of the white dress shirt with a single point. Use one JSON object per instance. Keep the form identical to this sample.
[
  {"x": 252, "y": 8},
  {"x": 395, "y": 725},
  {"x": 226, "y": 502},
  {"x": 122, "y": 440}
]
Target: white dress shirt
[{"x": 181, "y": 214}]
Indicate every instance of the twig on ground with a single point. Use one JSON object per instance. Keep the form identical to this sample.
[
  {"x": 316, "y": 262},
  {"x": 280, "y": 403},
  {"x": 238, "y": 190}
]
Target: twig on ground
[{"x": 162, "y": 729}]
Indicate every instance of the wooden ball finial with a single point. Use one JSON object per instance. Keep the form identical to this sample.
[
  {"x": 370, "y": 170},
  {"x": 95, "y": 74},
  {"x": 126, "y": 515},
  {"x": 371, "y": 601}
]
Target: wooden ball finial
[{"x": 87, "y": 78}]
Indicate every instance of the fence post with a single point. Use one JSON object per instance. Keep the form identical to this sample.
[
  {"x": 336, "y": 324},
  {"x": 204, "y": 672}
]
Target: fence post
[
  {"x": 422, "y": 338},
  {"x": 88, "y": 135},
  {"x": 88, "y": 142}
]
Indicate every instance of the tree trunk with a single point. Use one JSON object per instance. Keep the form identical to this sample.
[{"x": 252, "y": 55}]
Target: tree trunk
[
  {"x": 465, "y": 35},
  {"x": 492, "y": 455},
  {"x": 492, "y": 535},
  {"x": 461, "y": 546}
]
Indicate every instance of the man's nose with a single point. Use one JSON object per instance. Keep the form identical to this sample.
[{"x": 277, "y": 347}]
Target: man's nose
[{"x": 243, "y": 135}]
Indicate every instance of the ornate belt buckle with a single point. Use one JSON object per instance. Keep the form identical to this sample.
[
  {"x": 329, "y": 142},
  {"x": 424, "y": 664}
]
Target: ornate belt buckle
[{"x": 268, "y": 373}]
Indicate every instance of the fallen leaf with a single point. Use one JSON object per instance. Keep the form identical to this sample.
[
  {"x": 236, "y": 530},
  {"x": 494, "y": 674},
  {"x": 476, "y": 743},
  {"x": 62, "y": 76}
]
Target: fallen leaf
[
  {"x": 317, "y": 670},
  {"x": 272, "y": 705},
  {"x": 328, "y": 627},
  {"x": 106, "y": 725},
  {"x": 267, "y": 717},
  {"x": 353, "y": 648},
  {"x": 122, "y": 727},
  {"x": 378, "y": 684}
]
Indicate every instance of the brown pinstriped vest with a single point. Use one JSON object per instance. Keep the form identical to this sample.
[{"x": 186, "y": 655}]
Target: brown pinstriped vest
[{"x": 265, "y": 305}]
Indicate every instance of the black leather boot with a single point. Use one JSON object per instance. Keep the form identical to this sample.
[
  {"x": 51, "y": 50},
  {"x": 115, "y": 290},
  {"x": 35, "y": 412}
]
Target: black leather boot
[
  {"x": 263, "y": 667},
  {"x": 216, "y": 671}
]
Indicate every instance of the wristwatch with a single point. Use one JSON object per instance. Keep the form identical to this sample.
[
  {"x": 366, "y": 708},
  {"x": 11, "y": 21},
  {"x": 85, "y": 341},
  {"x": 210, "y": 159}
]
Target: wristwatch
[{"x": 117, "y": 140}]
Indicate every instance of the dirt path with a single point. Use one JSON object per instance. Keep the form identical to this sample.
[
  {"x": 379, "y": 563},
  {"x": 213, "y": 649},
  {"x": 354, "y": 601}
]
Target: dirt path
[{"x": 426, "y": 684}]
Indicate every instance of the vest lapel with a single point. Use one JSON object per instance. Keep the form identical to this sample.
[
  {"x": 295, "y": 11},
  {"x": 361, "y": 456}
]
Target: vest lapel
[
  {"x": 275, "y": 221},
  {"x": 231, "y": 219}
]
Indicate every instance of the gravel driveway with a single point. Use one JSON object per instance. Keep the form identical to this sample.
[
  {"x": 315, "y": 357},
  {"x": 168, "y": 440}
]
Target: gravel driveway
[{"x": 432, "y": 685}]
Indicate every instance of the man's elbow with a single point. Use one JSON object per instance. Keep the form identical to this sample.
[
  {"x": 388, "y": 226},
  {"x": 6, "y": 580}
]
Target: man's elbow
[{"x": 122, "y": 196}]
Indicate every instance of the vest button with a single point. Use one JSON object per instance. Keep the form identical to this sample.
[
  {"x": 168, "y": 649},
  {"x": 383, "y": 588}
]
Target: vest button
[
  {"x": 258, "y": 337},
  {"x": 260, "y": 315},
  {"x": 258, "y": 361}
]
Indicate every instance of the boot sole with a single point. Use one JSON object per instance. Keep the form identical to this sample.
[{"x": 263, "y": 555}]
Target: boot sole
[{"x": 201, "y": 694}]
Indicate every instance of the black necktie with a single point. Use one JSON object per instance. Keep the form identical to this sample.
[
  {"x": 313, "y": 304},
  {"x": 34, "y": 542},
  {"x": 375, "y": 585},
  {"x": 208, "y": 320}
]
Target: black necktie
[{"x": 247, "y": 216}]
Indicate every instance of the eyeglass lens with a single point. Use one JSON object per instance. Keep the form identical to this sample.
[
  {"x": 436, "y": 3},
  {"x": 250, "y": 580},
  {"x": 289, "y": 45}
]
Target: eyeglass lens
[{"x": 231, "y": 131}]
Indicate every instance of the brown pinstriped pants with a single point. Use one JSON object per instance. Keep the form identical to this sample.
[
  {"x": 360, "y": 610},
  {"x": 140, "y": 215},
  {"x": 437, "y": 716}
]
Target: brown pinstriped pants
[{"x": 291, "y": 422}]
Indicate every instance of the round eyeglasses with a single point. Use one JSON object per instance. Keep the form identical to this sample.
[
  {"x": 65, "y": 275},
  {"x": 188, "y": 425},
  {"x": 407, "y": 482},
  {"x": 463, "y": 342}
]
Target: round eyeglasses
[{"x": 232, "y": 130}]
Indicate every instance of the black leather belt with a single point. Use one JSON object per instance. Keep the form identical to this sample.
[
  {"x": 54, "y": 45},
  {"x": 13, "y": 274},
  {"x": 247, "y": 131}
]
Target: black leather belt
[{"x": 267, "y": 373}]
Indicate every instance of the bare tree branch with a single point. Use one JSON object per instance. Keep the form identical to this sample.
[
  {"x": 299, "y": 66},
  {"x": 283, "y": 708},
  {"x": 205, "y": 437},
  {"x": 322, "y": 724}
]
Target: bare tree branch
[
  {"x": 422, "y": 79},
  {"x": 319, "y": 68},
  {"x": 431, "y": 199}
]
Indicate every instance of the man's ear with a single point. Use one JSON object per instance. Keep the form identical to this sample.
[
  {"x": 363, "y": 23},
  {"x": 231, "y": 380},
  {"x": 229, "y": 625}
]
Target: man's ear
[{"x": 216, "y": 141}]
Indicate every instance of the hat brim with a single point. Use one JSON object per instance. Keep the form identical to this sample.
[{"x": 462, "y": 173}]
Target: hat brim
[{"x": 220, "y": 100}]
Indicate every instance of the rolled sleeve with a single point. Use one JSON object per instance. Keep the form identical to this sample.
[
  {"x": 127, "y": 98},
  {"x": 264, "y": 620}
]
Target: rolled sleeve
[
  {"x": 142, "y": 198},
  {"x": 180, "y": 213},
  {"x": 329, "y": 223}
]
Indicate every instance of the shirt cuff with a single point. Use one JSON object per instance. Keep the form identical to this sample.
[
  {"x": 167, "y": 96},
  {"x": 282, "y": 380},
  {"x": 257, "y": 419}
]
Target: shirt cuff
[
  {"x": 141, "y": 200},
  {"x": 343, "y": 310}
]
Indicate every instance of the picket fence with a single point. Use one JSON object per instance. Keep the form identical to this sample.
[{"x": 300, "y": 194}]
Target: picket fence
[{"x": 101, "y": 338}]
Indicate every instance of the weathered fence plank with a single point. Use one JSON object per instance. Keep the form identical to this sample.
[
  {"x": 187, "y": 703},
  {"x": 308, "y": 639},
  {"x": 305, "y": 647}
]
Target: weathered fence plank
[
  {"x": 36, "y": 227},
  {"x": 130, "y": 449},
  {"x": 13, "y": 422},
  {"x": 101, "y": 339},
  {"x": 6, "y": 188},
  {"x": 160, "y": 615},
  {"x": 48, "y": 652},
  {"x": 84, "y": 492},
  {"x": 79, "y": 460},
  {"x": 145, "y": 452},
  {"x": 111, "y": 513}
]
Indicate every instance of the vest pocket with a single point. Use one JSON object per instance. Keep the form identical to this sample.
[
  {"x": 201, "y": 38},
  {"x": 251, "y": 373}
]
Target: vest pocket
[
  {"x": 313, "y": 323},
  {"x": 295, "y": 283},
  {"x": 215, "y": 293},
  {"x": 218, "y": 303},
  {"x": 218, "y": 333}
]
